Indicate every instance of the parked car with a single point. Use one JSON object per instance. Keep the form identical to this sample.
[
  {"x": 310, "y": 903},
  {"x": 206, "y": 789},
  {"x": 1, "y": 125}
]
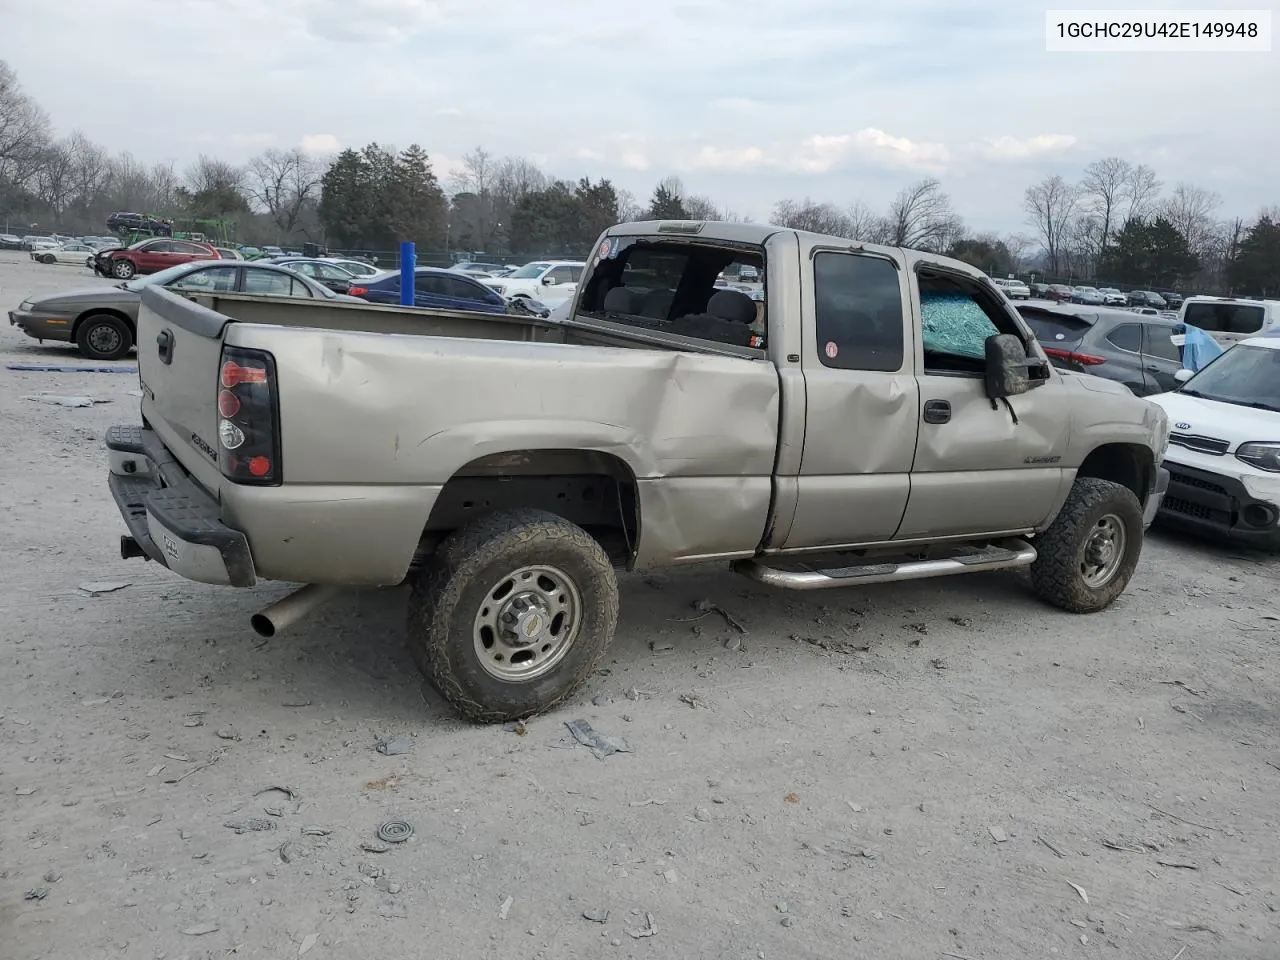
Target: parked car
[
  {"x": 358, "y": 268},
  {"x": 102, "y": 321},
  {"x": 475, "y": 268},
  {"x": 335, "y": 277},
  {"x": 1138, "y": 351},
  {"x": 1172, "y": 300},
  {"x": 433, "y": 287},
  {"x": 1224, "y": 450},
  {"x": 547, "y": 280},
  {"x": 1111, "y": 297},
  {"x": 1039, "y": 290},
  {"x": 73, "y": 252},
  {"x": 1090, "y": 296},
  {"x": 1059, "y": 292},
  {"x": 125, "y": 222},
  {"x": 228, "y": 253},
  {"x": 504, "y": 466},
  {"x": 1230, "y": 319},
  {"x": 268, "y": 251},
  {"x": 150, "y": 256},
  {"x": 33, "y": 242},
  {"x": 9, "y": 242},
  {"x": 1146, "y": 298},
  {"x": 1013, "y": 289}
]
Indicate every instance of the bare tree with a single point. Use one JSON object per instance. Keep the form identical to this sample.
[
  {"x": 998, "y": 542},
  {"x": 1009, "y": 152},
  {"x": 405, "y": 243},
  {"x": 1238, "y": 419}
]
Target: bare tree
[
  {"x": 699, "y": 207},
  {"x": 629, "y": 208},
  {"x": 479, "y": 170},
  {"x": 863, "y": 223},
  {"x": 1191, "y": 211},
  {"x": 24, "y": 130},
  {"x": 1051, "y": 206},
  {"x": 1103, "y": 189},
  {"x": 1018, "y": 244},
  {"x": 814, "y": 217},
  {"x": 283, "y": 182},
  {"x": 210, "y": 175},
  {"x": 921, "y": 217},
  {"x": 54, "y": 183},
  {"x": 1140, "y": 194}
]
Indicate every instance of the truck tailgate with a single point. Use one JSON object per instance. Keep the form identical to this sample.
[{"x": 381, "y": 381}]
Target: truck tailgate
[{"x": 179, "y": 349}]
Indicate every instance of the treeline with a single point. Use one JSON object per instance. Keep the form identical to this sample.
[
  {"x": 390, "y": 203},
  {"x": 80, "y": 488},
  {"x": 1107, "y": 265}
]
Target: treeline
[{"x": 1117, "y": 224}]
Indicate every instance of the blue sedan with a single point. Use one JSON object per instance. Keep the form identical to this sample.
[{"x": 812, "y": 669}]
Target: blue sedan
[{"x": 435, "y": 289}]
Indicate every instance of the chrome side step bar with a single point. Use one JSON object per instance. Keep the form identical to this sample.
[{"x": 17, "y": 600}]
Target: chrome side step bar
[{"x": 1019, "y": 553}]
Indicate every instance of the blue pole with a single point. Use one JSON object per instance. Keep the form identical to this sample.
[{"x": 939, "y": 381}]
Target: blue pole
[{"x": 408, "y": 261}]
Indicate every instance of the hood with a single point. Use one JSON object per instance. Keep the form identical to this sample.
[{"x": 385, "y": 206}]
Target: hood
[
  {"x": 1224, "y": 421},
  {"x": 92, "y": 295},
  {"x": 1098, "y": 384}
]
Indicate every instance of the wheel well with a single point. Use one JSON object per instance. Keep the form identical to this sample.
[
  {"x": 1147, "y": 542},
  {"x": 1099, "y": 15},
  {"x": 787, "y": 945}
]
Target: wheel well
[
  {"x": 595, "y": 490},
  {"x": 1127, "y": 464},
  {"x": 100, "y": 312}
]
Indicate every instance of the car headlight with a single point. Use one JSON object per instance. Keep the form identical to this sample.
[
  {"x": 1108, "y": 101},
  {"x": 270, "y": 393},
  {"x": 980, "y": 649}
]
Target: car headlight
[
  {"x": 1260, "y": 454},
  {"x": 26, "y": 306}
]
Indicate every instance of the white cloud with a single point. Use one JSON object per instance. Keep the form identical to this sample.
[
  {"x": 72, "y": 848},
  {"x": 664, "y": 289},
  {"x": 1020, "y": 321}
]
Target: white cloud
[
  {"x": 1013, "y": 148},
  {"x": 320, "y": 144}
]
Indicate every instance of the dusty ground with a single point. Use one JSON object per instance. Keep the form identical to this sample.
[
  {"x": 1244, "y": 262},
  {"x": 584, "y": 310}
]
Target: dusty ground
[{"x": 936, "y": 794}]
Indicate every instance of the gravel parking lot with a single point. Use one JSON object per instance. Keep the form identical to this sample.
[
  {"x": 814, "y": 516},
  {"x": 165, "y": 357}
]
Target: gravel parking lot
[{"x": 939, "y": 769}]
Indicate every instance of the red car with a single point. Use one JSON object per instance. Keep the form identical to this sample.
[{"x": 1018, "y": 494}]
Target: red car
[
  {"x": 1059, "y": 292},
  {"x": 150, "y": 256}
]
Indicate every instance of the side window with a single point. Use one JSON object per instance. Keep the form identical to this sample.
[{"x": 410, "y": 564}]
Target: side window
[
  {"x": 212, "y": 280},
  {"x": 567, "y": 274},
  {"x": 1160, "y": 343},
  {"x": 956, "y": 324},
  {"x": 306, "y": 269},
  {"x": 159, "y": 246},
  {"x": 462, "y": 290},
  {"x": 299, "y": 288},
  {"x": 267, "y": 283},
  {"x": 431, "y": 284},
  {"x": 1127, "y": 336},
  {"x": 858, "y": 312}
]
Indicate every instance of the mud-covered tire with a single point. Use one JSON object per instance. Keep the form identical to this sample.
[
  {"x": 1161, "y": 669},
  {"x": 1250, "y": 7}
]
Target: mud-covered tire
[
  {"x": 466, "y": 580},
  {"x": 1071, "y": 547},
  {"x": 104, "y": 337}
]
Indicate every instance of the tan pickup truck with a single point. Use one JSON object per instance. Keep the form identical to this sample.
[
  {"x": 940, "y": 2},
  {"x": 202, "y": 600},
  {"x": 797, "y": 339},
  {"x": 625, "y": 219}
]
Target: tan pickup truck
[{"x": 879, "y": 415}]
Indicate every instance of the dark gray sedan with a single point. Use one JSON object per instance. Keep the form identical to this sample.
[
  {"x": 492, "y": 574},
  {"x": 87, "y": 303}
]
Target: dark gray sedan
[{"x": 101, "y": 320}]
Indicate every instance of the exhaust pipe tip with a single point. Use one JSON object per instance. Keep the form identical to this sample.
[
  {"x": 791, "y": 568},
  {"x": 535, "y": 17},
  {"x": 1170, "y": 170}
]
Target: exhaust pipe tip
[{"x": 262, "y": 625}]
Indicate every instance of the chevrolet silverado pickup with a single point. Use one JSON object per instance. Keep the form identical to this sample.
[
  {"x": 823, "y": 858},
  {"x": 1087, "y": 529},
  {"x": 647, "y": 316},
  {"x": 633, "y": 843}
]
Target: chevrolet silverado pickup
[{"x": 879, "y": 414}]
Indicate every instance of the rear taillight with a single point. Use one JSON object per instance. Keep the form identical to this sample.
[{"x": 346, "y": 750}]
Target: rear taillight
[
  {"x": 356, "y": 291},
  {"x": 1084, "y": 359},
  {"x": 248, "y": 417}
]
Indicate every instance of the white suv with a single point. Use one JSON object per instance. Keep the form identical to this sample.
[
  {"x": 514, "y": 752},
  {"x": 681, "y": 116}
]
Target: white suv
[
  {"x": 1224, "y": 448},
  {"x": 549, "y": 281}
]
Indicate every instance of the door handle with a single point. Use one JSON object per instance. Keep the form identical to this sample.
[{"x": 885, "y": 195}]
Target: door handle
[
  {"x": 1152, "y": 368},
  {"x": 164, "y": 346},
  {"x": 937, "y": 411}
]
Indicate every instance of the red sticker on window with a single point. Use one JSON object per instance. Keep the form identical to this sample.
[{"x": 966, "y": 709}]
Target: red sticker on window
[{"x": 831, "y": 349}]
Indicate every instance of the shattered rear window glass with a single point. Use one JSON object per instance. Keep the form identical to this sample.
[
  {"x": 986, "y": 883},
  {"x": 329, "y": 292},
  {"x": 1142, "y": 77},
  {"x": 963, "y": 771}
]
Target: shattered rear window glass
[{"x": 954, "y": 323}]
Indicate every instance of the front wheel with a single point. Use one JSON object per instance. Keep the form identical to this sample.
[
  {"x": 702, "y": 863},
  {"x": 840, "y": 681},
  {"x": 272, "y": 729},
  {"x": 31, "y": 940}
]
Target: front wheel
[
  {"x": 512, "y": 614},
  {"x": 48, "y": 258},
  {"x": 1090, "y": 551},
  {"x": 123, "y": 269},
  {"x": 104, "y": 337}
]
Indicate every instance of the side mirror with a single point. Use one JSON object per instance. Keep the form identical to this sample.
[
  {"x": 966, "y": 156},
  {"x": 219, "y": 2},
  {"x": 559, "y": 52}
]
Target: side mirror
[
  {"x": 1182, "y": 376},
  {"x": 548, "y": 281},
  {"x": 1006, "y": 366}
]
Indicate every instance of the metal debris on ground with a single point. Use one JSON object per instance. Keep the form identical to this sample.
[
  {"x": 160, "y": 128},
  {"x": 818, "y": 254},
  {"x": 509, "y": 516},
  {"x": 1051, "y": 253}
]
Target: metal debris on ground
[
  {"x": 1178, "y": 864},
  {"x": 694, "y": 701},
  {"x": 226, "y": 733},
  {"x": 289, "y": 792},
  {"x": 997, "y": 834},
  {"x": 1047, "y": 843},
  {"x": 66, "y": 401},
  {"x": 26, "y": 791},
  {"x": 308, "y": 942},
  {"x": 650, "y": 929},
  {"x": 505, "y": 910},
  {"x": 393, "y": 748},
  {"x": 200, "y": 929},
  {"x": 214, "y": 757},
  {"x": 395, "y": 831},
  {"x": 251, "y": 825},
  {"x": 515, "y": 726},
  {"x": 96, "y": 588},
  {"x": 38, "y": 893},
  {"x": 1080, "y": 890},
  {"x": 831, "y": 645},
  {"x": 368, "y": 846},
  {"x": 600, "y": 745},
  {"x": 706, "y": 608}
]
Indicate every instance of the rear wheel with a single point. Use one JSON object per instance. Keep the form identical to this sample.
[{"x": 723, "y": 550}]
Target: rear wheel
[
  {"x": 123, "y": 269},
  {"x": 512, "y": 614},
  {"x": 104, "y": 337},
  {"x": 1090, "y": 551}
]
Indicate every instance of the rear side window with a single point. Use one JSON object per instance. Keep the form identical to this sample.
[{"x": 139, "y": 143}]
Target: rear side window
[
  {"x": 1052, "y": 328},
  {"x": 1127, "y": 336},
  {"x": 1160, "y": 343},
  {"x": 858, "y": 312},
  {"x": 1225, "y": 317}
]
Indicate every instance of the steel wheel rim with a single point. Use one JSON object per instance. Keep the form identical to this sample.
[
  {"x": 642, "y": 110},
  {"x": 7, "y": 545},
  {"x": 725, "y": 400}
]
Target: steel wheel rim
[
  {"x": 104, "y": 338},
  {"x": 527, "y": 622},
  {"x": 1103, "y": 551}
]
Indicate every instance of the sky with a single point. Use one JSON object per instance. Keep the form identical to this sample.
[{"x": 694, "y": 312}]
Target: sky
[{"x": 747, "y": 101}]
